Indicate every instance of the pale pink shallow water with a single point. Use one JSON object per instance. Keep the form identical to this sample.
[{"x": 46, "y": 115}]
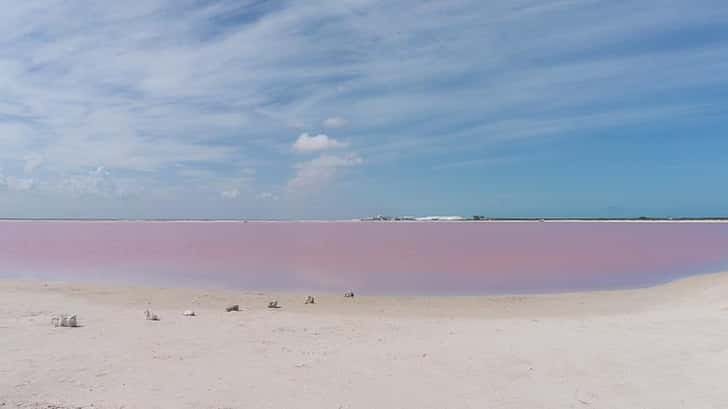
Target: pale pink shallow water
[{"x": 418, "y": 258}]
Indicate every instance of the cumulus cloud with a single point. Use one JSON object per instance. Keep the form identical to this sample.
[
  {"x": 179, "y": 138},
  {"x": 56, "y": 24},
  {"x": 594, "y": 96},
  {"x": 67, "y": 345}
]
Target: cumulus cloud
[
  {"x": 321, "y": 171},
  {"x": 314, "y": 143},
  {"x": 335, "y": 122}
]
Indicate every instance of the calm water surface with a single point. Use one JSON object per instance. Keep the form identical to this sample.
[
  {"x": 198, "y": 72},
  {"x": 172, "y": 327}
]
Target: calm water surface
[{"x": 369, "y": 257}]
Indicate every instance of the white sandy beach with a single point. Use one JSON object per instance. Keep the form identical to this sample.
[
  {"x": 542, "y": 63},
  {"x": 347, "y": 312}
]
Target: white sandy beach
[{"x": 663, "y": 347}]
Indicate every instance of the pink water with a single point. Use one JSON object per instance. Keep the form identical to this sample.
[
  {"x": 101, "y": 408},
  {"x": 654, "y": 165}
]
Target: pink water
[{"x": 418, "y": 258}]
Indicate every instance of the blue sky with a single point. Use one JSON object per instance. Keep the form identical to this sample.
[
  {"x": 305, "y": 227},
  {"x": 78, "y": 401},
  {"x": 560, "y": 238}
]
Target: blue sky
[{"x": 308, "y": 109}]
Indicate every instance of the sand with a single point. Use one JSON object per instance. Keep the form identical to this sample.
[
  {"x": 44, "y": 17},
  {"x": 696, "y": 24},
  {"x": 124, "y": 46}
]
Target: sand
[{"x": 663, "y": 347}]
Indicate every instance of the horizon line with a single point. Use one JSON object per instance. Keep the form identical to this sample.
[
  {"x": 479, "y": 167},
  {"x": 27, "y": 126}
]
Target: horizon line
[{"x": 426, "y": 219}]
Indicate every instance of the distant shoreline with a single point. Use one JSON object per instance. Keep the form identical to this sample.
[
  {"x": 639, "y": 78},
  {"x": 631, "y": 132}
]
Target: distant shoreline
[{"x": 489, "y": 220}]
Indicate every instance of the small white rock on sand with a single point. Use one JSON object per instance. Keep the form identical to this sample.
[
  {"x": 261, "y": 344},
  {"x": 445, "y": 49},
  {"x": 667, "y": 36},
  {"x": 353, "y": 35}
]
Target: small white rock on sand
[{"x": 662, "y": 348}]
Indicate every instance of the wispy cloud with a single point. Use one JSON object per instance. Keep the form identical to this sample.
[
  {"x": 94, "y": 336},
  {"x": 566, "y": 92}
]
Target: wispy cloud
[
  {"x": 316, "y": 173},
  {"x": 32, "y": 162},
  {"x": 15, "y": 183},
  {"x": 335, "y": 122},
  {"x": 97, "y": 182},
  {"x": 153, "y": 91},
  {"x": 267, "y": 196},
  {"x": 231, "y": 193}
]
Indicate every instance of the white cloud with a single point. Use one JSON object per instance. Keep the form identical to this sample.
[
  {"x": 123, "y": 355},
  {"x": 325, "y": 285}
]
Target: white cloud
[
  {"x": 20, "y": 184},
  {"x": 232, "y": 193},
  {"x": 266, "y": 196},
  {"x": 147, "y": 84},
  {"x": 335, "y": 122},
  {"x": 97, "y": 182},
  {"x": 321, "y": 142},
  {"x": 32, "y": 162},
  {"x": 319, "y": 172},
  {"x": 15, "y": 184}
]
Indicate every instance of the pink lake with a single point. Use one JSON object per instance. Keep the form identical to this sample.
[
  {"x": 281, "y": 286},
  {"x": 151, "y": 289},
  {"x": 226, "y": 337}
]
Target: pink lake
[{"x": 368, "y": 257}]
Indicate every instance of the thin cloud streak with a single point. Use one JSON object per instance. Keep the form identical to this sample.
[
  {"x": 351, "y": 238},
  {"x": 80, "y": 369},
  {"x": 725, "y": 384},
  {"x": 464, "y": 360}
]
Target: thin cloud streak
[{"x": 146, "y": 89}]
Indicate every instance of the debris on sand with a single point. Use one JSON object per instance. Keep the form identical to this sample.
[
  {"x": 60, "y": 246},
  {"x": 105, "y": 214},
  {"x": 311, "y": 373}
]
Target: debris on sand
[
  {"x": 310, "y": 300},
  {"x": 150, "y": 316},
  {"x": 65, "y": 320},
  {"x": 234, "y": 307},
  {"x": 273, "y": 304}
]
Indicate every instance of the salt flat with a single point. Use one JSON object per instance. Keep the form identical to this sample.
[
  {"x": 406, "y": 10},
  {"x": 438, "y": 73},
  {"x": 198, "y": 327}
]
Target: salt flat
[{"x": 662, "y": 347}]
